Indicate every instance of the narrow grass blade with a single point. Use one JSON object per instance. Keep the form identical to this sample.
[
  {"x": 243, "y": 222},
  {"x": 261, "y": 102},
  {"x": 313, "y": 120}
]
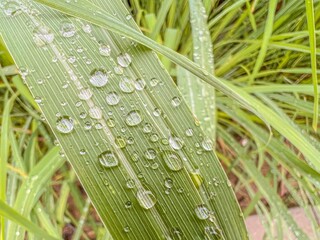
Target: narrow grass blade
[
  {"x": 9, "y": 213},
  {"x": 313, "y": 55},
  {"x": 165, "y": 6}
]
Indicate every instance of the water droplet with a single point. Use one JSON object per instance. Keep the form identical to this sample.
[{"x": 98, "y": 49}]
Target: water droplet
[
  {"x": 135, "y": 157},
  {"x": 140, "y": 84},
  {"x": 157, "y": 112},
  {"x": 202, "y": 212},
  {"x": 120, "y": 142},
  {"x": 168, "y": 183},
  {"x": 154, "y": 82},
  {"x": 98, "y": 126},
  {"x": 154, "y": 137},
  {"x": 83, "y": 115},
  {"x": 147, "y": 128},
  {"x": 112, "y": 98},
  {"x": 83, "y": 152},
  {"x": 85, "y": 94},
  {"x": 87, "y": 125},
  {"x": 12, "y": 8},
  {"x": 111, "y": 122},
  {"x": 87, "y": 28},
  {"x": 124, "y": 60},
  {"x": 108, "y": 159},
  {"x": 42, "y": 35},
  {"x": 172, "y": 160},
  {"x": 72, "y": 59},
  {"x": 130, "y": 183},
  {"x": 65, "y": 124},
  {"x": 95, "y": 112},
  {"x": 177, "y": 234},
  {"x": 133, "y": 118},
  {"x": 146, "y": 198},
  {"x": 128, "y": 204},
  {"x": 176, "y": 101},
  {"x": 128, "y": 16},
  {"x": 176, "y": 143},
  {"x": 118, "y": 70},
  {"x": 67, "y": 29},
  {"x": 211, "y": 233},
  {"x": 150, "y": 153},
  {"x": 38, "y": 100},
  {"x": 189, "y": 132},
  {"x": 98, "y": 77},
  {"x": 126, "y": 229},
  {"x": 127, "y": 85},
  {"x": 105, "y": 50},
  {"x": 207, "y": 144},
  {"x": 196, "y": 178}
]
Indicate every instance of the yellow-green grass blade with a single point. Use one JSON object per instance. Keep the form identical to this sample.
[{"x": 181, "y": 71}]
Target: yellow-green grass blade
[
  {"x": 33, "y": 187},
  {"x": 11, "y": 214},
  {"x": 144, "y": 161},
  {"x": 236, "y": 93},
  {"x": 161, "y": 16},
  {"x": 200, "y": 96},
  {"x": 313, "y": 55}
]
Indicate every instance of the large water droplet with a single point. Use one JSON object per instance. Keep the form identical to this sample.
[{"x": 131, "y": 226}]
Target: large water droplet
[
  {"x": 127, "y": 85},
  {"x": 124, "y": 60},
  {"x": 202, "y": 212},
  {"x": 176, "y": 143},
  {"x": 67, "y": 29},
  {"x": 42, "y": 35},
  {"x": 12, "y": 8},
  {"x": 133, "y": 118},
  {"x": 112, "y": 98},
  {"x": 172, "y": 160},
  {"x": 107, "y": 159},
  {"x": 146, "y": 198},
  {"x": 65, "y": 124},
  {"x": 85, "y": 94},
  {"x": 98, "y": 77}
]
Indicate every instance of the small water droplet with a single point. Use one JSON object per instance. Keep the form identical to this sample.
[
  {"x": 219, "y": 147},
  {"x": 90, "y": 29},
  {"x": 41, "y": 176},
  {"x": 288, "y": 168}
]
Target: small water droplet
[
  {"x": 42, "y": 35},
  {"x": 154, "y": 82},
  {"x": 207, "y": 144},
  {"x": 172, "y": 160},
  {"x": 65, "y": 124},
  {"x": 128, "y": 204},
  {"x": 12, "y": 8},
  {"x": 107, "y": 159},
  {"x": 105, "y": 50},
  {"x": 176, "y": 143},
  {"x": 127, "y": 85},
  {"x": 38, "y": 100},
  {"x": 147, "y": 128},
  {"x": 146, "y": 198},
  {"x": 87, "y": 28},
  {"x": 130, "y": 183},
  {"x": 85, "y": 94},
  {"x": 112, "y": 98},
  {"x": 124, "y": 60},
  {"x": 189, "y": 132},
  {"x": 126, "y": 229},
  {"x": 67, "y": 29},
  {"x": 211, "y": 233},
  {"x": 140, "y": 84},
  {"x": 150, "y": 153},
  {"x": 134, "y": 118},
  {"x": 83, "y": 152},
  {"x": 120, "y": 142},
  {"x": 157, "y": 112},
  {"x": 168, "y": 183},
  {"x": 202, "y": 212},
  {"x": 176, "y": 101},
  {"x": 95, "y": 112},
  {"x": 98, "y": 77},
  {"x": 128, "y": 16}
]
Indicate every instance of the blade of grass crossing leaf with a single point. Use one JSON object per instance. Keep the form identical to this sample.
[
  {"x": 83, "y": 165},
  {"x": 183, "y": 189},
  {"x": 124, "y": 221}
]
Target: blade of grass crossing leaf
[
  {"x": 265, "y": 41},
  {"x": 11, "y": 214},
  {"x": 226, "y": 87},
  {"x": 153, "y": 215},
  {"x": 312, "y": 38}
]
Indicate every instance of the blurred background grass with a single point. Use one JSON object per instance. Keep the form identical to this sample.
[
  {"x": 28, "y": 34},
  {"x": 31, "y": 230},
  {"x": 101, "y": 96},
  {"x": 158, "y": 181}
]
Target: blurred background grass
[{"x": 266, "y": 53}]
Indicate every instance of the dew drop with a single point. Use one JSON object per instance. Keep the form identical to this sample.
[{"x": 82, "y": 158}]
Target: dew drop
[
  {"x": 211, "y": 233},
  {"x": 124, "y": 60},
  {"x": 126, "y": 229},
  {"x": 83, "y": 152},
  {"x": 140, "y": 84},
  {"x": 154, "y": 82},
  {"x": 130, "y": 183},
  {"x": 112, "y": 98},
  {"x": 65, "y": 124},
  {"x": 42, "y": 35},
  {"x": 38, "y": 99},
  {"x": 147, "y": 128},
  {"x": 207, "y": 144},
  {"x": 120, "y": 142},
  {"x": 202, "y": 212},
  {"x": 168, "y": 183},
  {"x": 107, "y": 159},
  {"x": 105, "y": 50},
  {"x": 67, "y": 29},
  {"x": 87, "y": 28},
  {"x": 127, "y": 85},
  {"x": 12, "y": 8},
  {"x": 150, "y": 153},
  {"x": 177, "y": 234},
  {"x": 189, "y": 132},
  {"x": 176, "y": 101},
  {"x": 146, "y": 198},
  {"x": 128, "y": 204},
  {"x": 98, "y": 77},
  {"x": 172, "y": 160},
  {"x": 85, "y": 94},
  {"x": 176, "y": 143},
  {"x": 133, "y": 118},
  {"x": 95, "y": 112}
]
